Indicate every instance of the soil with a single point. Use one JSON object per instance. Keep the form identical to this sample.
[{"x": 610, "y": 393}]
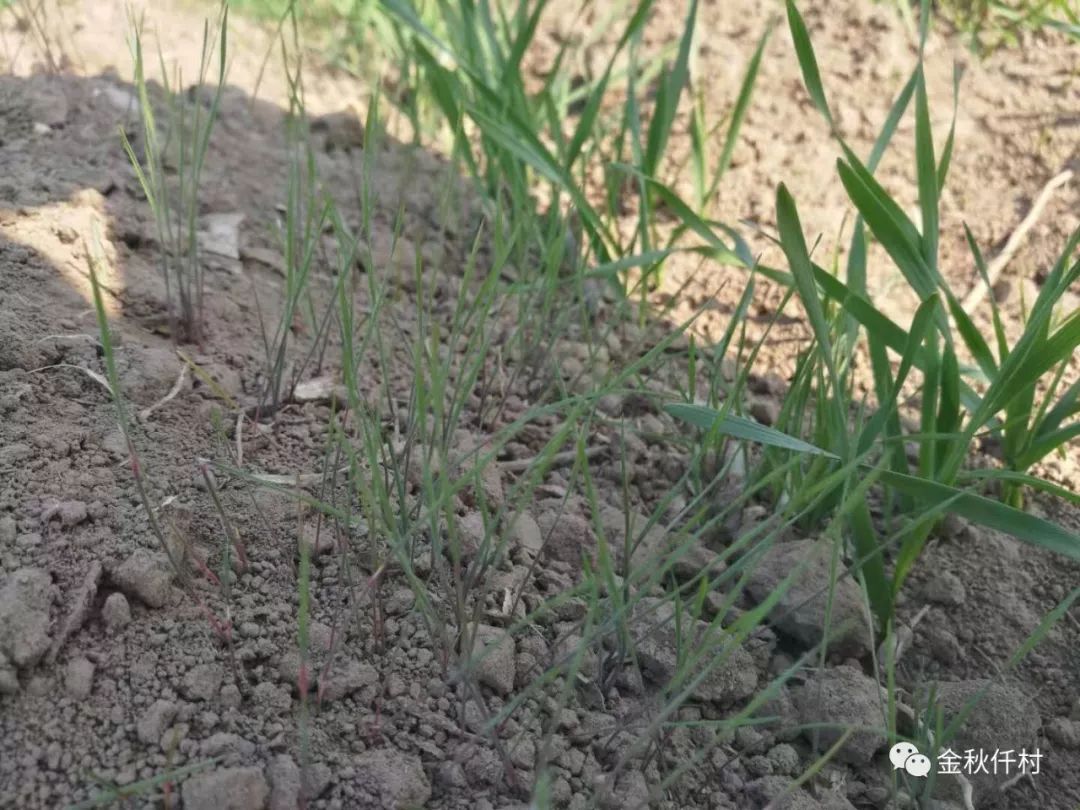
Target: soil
[{"x": 112, "y": 674}]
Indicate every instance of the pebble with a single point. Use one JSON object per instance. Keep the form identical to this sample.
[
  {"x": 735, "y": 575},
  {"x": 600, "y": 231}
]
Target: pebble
[
  {"x": 801, "y": 611},
  {"x": 230, "y": 696},
  {"x": 116, "y": 612},
  {"x": 316, "y": 779},
  {"x": 227, "y": 789},
  {"x": 397, "y": 778},
  {"x": 945, "y": 588},
  {"x": 493, "y": 658},
  {"x": 147, "y": 576},
  {"x": 8, "y": 530},
  {"x": 784, "y": 759},
  {"x": 766, "y": 411},
  {"x": 727, "y": 674},
  {"x": 9, "y": 679},
  {"x": 525, "y": 533},
  {"x": 79, "y": 678},
  {"x": 346, "y": 677},
  {"x": 25, "y": 598},
  {"x": 231, "y": 749},
  {"x": 284, "y": 776},
  {"x": 844, "y": 697},
  {"x": 569, "y": 536},
  {"x": 1003, "y": 717},
  {"x": 1064, "y": 732},
  {"x": 78, "y": 607},
  {"x": 203, "y": 681},
  {"x": 153, "y": 722}
]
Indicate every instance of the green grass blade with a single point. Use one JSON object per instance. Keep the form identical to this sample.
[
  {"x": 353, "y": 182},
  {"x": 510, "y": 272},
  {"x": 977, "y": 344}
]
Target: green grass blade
[
  {"x": 890, "y": 226},
  {"x": 920, "y": 327},
  {"x": 804, "y": 50},
  {"x": 980, "y": 264},
  {"x": 798, "y": 256},
  {"x": 739, "y": 427},
  {"x": 738, "y": 113},
  {"x": 888, "y": 129},
  {"x": 947, "y": 150},
  {"x": 667, "y": 99},
  {"x": 926, "y": 166},
  {"x": 1011, "y": 476}
]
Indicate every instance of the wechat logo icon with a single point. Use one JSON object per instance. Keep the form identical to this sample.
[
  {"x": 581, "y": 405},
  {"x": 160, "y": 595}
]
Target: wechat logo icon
[{"x": 905, "y": 756}]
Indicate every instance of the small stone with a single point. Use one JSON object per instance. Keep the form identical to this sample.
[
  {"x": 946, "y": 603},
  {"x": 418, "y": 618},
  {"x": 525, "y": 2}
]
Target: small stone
[
  {"x": 843, "y": 697},
  {"x": 153, "y": 722},
  {"x": 9, "y": 679},
  {"x": 203, "y": 681},
  {"x": 451, "y": 775},
  {"x": 227, "y": 789},
  {"x": 230, "y": 696},
  {"x": 765, "y": 411},
  {"x": 491, "y": 485},
  {"x": 116, "y": 612},
  {"x": 471, "y": 534},
  {"x": 568, "y": 536},
  {"x": 784, "y": 759},
  {"x": 146, "y": 576},
  {"x": 78, "y": 608},
  {"x": 8, "y": 530},
  {"x": 493, "y": 658},
  {"x": 230, "y": 749},
  {"x": 79, "y": 678},
  {"x": 284, "y": 776},
  {"x": 525, "y": 534},
  {"x": 631, "y": 791},
  {"x": 945, "y": 588},
  {"x": 400, "y": 602},
  {"x": 1064, "y": 732},
  {"x": 346, "y": 677},
  {"x": 25, "y": 598},
  {"x": 759, "y": 765},
  {"x": 173, "y": 736},
  {"x": 1003, "y": 716},
  {"x": 71, "y": 513},
  {"x": 271, "y": 696},
  {"x": 801, "y": 611},
  {"x": 316, "y": 779},
  {"x": 775, "y": 791},
  {"x": 396, "y": 778},
  {"x": 523, "y": 754},
  {"x": 729, "y": 672},
  {"x": 772, "y": 384},
  {"x": 610, "y": 404}
]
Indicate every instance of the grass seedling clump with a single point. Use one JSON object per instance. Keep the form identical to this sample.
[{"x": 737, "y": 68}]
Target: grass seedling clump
[{"x": 168, "y": 164}]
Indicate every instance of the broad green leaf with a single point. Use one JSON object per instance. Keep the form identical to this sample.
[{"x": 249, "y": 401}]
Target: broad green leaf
[
  {"x": 989, "y": 513},
  {"x": 1022, "y": 478},
  {"x": 890, "y": 226},
  {"x": 739, "y": 427}
]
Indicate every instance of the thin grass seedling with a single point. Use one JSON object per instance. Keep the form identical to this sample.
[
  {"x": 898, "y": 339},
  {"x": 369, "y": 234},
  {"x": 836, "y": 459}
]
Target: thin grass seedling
[{"x": 175, "y": 205}]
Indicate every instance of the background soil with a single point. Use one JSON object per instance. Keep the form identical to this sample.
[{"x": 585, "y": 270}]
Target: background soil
[{"x": 108, "y": 675}]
